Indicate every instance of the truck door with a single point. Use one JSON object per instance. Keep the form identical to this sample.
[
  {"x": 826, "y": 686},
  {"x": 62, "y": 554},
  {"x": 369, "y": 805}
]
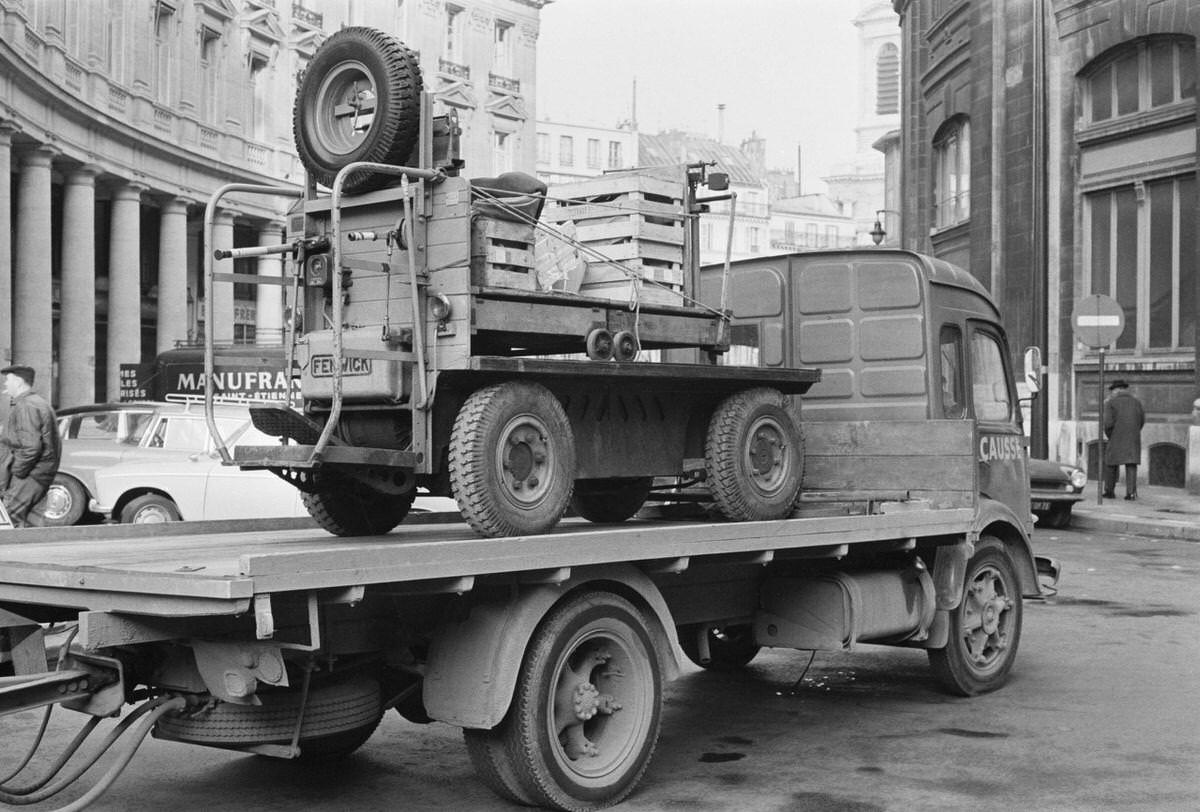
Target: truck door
[{"x": 1003, "y": 472}]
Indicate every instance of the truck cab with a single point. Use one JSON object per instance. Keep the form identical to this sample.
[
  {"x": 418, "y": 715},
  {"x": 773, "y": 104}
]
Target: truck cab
[{"x": 897, "y": 336}]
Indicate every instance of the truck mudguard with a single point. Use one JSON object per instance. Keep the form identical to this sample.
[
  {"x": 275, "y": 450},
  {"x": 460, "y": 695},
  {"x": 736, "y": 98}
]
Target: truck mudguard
[
  {"x": 998, "y": 519},
  {"x": 473, "y": 664}
]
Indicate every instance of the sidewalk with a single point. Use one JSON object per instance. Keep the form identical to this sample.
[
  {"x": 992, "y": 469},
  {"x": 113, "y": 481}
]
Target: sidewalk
[{"x": 1158, "y": 512}]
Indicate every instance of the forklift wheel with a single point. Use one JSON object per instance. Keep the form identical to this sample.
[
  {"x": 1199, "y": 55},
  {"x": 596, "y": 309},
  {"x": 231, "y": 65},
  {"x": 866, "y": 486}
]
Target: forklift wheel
[
  {"x": 359, "y": 100},
  {"x": 600, "y": 344},
  {"x": 625, "y": 346}
]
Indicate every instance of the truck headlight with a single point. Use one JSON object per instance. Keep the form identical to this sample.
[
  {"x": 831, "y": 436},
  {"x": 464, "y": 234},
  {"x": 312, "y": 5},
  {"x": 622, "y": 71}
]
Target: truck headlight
[{"x": 439, "y": 306}]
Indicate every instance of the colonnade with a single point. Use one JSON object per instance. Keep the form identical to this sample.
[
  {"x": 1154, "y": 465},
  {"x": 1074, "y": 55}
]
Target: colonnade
[{"x": 67, "y": 367}]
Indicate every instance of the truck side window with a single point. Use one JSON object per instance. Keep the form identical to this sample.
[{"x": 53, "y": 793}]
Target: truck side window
[
  {"x": 989, "y": 384},
  {"x": 951, "y": 362}
]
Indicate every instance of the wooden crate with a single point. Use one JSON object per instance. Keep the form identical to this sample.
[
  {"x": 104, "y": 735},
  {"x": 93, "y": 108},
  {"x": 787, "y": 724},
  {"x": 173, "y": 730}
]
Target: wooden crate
[
  {"x": 622, "y": 291},
  {"x": 502, "y": 254},
  {"x": 628, "y": 218}
]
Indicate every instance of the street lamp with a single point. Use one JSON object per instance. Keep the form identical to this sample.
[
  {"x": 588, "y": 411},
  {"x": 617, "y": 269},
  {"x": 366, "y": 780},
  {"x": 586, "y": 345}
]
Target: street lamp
[{"x": 877, "y": 233}]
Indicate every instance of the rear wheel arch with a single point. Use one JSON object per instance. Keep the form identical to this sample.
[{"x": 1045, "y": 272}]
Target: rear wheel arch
[{"x": 473, "y": 666}]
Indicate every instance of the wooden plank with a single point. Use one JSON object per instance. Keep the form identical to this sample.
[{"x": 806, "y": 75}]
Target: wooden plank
[
  {"x": 626, "y": 228},
  {"x": 623, "y": 291},
  {"x": 620, "y": 183},
  {"x": 582, "y": 212},
  {"x": 598, "y": 272},
  {"x": 889, "y": 437}
]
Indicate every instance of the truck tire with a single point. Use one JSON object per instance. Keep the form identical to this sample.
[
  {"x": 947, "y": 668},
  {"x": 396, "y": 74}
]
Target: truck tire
[
  {"x": 63, "y": 505},
  {"x": 985, "y": 629},
  {"x": 338, "y": 719},
  {"x": 512, "y": 460},
  {"x": 358, "y": 100},
  {"x": 610, "y": 500},
  {"x": 729, "y": 648},
  {"x": 150, "y": 508},
  {"x": 345, "y": 510},
  {"x": 585, "y": 713},
  {"x": 754, "y": 456}
]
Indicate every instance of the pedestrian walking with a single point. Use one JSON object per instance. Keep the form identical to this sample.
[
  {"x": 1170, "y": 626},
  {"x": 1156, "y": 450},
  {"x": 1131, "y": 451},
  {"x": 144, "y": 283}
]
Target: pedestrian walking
[
  {"x": 30, "y": 448},
  {"x": 1123, "y": 421}
]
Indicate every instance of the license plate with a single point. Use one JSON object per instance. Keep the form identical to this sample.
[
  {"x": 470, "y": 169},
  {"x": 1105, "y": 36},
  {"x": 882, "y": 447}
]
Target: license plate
[{"x": 1041, "y": 505}]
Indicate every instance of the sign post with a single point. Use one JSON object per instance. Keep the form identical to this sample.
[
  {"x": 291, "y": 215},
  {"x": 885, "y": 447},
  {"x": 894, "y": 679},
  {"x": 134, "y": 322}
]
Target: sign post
[{"x": 1099, "y": 320}]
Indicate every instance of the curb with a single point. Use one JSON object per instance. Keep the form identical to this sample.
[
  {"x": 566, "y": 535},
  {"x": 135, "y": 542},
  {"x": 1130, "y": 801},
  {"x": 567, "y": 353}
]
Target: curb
[{"x": 1138, "y": 526}]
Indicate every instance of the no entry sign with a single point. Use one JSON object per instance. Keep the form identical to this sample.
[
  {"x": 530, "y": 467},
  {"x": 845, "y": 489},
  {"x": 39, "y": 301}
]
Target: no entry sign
[{"x": 1099, "y": 320}]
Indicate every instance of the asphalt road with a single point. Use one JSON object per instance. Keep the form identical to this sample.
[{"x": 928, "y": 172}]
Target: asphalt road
[{"x": 1103, "y": 712}]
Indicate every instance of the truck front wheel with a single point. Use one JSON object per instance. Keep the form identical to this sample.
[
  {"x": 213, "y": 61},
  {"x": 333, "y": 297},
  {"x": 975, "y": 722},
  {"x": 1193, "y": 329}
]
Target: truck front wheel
[
  {"x": 754, "y": 456},
  {"x": 985, "y": 629},
  {"x": 586, "y": 711},
  {"x": 512, "y": 459}
]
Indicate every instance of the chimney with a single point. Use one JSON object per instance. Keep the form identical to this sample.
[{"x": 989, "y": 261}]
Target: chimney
[{"x": 720, "y": 123}]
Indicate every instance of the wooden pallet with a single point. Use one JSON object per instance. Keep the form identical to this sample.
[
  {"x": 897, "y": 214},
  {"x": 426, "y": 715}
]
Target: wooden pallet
[
  {"x": 622, "y": 291},
  {"x": 502, "y": 254}
]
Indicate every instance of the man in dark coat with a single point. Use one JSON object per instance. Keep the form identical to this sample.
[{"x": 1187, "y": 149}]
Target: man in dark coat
[
  {"x": 30, "y": 448},
  {"x": 1123, "y": 421}
]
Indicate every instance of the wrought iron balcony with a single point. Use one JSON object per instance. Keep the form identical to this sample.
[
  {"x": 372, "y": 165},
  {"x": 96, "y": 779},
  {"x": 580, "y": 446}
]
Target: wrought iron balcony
[
  {"x": 454, "y": 69},
  {"x": 504, "y": 83},
  {"x": 306, "y": 16}
]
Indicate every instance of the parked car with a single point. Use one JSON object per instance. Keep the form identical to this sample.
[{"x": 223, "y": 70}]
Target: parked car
[
  {"x": 1054, "y": 488},
  {"x": 93, "y": 437}
]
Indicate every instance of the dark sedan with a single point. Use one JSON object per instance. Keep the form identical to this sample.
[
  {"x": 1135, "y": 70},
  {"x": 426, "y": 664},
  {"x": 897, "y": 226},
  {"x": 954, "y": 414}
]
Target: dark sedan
[{"x": 1054, "y": 488}]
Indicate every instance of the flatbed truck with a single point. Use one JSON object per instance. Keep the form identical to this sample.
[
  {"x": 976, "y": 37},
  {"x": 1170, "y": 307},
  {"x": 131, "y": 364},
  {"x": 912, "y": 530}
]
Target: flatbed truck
[{"x": 551, "y": 650}]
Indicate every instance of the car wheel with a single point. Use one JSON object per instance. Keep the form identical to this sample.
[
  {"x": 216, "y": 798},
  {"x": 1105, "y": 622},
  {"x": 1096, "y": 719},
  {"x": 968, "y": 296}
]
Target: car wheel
[
  {"x": 64, "y": 503},
  {"x": 1056, "y": 517},
  {"x": 152, "y": 508}
]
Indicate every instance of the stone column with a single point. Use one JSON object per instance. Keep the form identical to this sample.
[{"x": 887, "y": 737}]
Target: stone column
[
  {"x": 124, "y": 285},
  {"x": 6, "y": 236},
  {"x": 77, "y": 315},
  {"x": 268, "y": 316},
  {"x": 32, "y": 320},
  {"x": 172, "y": 275},
  {"x": 222, "y": 297}
]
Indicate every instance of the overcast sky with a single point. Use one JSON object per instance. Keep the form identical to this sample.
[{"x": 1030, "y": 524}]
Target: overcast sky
[{"x": 784, "y": 68}]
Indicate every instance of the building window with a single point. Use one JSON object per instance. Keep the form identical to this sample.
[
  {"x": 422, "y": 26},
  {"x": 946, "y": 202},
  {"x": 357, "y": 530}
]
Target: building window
[
  {"x": 1150, "y": 73},
  {"x": 1155, "y": 286},
  {"x": 260, "y": 96},
  {"x": 810, "y": 235},
  {"x": 952, "y": 173},
  {"x": 789, "y": 232},
  {"x": 502, "y": 62},
  {"x": 543, "y": 148},
  {"x": 887, "y": 80},
  {"x": 615, "y": 158},
  {"x": 210, "y": 66},
  {"x": 593, "y": 153},
  {"x": 502, "y": 152},
  {"x": 454, "y": 24},
  {"x": 566, "y": 150},
  {"x": 164, "y": 45},
  {"x": 752, "y": 238},
  {"x": 117, "y": 52}
]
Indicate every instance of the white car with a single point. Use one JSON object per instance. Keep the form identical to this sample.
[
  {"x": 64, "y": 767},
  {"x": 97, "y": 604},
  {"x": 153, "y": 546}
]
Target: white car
[{"x": 190, "y": 482}]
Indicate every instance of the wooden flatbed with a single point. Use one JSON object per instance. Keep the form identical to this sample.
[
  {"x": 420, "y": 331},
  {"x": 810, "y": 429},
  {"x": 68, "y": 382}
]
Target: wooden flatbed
[{"x": 221, "y": 574}]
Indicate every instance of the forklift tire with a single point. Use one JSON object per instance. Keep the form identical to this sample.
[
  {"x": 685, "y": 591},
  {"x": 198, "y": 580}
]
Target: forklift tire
[
  {"x": 754, "y": 456},
  {"x": 512, "y": 460},
  {"x": 625, "y": 346},
  {"x": 346, "y": 510},
  {"x": 610, "y": 500},
  {"x": 600, "y": 345},
  {"x": 358, "y": 100},
  {"x": 985, "y": 629}
]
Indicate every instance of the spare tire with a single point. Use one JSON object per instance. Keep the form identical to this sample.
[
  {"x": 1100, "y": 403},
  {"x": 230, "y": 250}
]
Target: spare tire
[{"x": 358, "y": 100}]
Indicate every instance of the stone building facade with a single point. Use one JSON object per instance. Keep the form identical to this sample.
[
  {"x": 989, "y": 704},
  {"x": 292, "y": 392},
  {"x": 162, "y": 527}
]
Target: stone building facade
[
  {"x": 1050, "y": 147},
  {"x": 120, "y": 118}
]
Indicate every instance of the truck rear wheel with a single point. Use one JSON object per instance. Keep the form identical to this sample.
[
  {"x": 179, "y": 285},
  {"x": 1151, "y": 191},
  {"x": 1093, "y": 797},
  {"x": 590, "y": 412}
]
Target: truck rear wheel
[
  {"x": 512, "y": 459},
  {"x": 985, "y": 629},
  {"x": 586, "y": 711},
  {"x": 346, "y": 510},
  {"x": 729, "y": 647},
  {"x": 358, "y": 100},
  {"x": 610, "y": 500},
  {"x": 754, "y": 456}
]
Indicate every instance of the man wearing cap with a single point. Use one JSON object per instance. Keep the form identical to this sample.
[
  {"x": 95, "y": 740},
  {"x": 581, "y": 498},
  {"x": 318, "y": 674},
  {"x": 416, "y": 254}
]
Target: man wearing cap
[
  {"x": 30, "y": 448},
  {"x": 1123, "y": 421}
]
